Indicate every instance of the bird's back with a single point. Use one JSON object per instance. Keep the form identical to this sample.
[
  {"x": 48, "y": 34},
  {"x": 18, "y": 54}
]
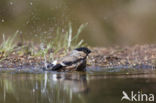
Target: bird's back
[{"x": 72, "y": 57}]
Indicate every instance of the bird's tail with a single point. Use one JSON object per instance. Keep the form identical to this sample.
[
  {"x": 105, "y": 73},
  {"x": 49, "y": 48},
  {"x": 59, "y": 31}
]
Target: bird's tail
[{"x": 57, "y": 67}]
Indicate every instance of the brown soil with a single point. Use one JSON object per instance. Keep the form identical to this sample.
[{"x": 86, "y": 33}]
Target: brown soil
[{"x": 143, "y": 56}]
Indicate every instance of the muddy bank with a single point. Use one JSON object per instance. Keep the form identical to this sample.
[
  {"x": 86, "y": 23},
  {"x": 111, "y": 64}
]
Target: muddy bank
[{"x": 138, "y": 56}]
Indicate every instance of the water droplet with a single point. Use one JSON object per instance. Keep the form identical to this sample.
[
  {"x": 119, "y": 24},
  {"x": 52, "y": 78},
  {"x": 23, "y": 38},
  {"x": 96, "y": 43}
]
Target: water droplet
[
  {"x": 11, "y": 3},
  {"x": 105, "y": 18},
  {"x": 3, "y": 20},
  {"x": 33, "y": 90},
  {"x": 45, "y": 32},
  {"x": 63, "y": 30},
  {"x": 20, "y": 32},
  {"x": 27, "y": 22},
  {"x": 31, "y": 3}
]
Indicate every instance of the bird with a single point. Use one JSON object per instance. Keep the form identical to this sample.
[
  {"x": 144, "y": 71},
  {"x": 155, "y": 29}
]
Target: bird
[{"x": 73, "y": 61}]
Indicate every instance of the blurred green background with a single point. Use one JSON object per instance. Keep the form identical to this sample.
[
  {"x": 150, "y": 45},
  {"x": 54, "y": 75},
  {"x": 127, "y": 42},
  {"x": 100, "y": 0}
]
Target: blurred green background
[{"x": 110, "y": 22}]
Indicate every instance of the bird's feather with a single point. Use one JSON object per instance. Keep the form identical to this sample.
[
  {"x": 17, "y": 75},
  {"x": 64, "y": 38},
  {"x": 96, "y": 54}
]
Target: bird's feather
[
  {"x": 57, "y": 67},
  {"x": 75, "y": 60}
]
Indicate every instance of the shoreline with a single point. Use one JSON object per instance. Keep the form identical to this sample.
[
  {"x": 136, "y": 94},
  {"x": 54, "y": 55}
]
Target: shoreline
[{"x": 138, "y": 56}]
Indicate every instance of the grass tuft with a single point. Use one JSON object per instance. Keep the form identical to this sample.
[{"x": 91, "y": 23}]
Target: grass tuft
[
  {"x": 7, "y": 46},
  {"x": 68, "y": 40},
  {"x": 63, "y": 41}
]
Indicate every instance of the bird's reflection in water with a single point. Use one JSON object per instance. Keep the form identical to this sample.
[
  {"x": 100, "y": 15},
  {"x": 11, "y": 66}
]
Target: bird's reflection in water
[
  {"x": 63, "y": 87},
  {"x": 43, "y": 88},
  {"x": 69, "y": 87},
  {"x": 76, "y": 82}
]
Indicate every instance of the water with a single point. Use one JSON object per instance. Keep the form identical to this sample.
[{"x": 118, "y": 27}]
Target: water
[{"x": 76, "y": 87}]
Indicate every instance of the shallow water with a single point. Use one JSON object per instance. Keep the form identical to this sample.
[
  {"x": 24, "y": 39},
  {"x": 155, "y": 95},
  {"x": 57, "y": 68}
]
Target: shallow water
[{"x": 92, "y": 86}]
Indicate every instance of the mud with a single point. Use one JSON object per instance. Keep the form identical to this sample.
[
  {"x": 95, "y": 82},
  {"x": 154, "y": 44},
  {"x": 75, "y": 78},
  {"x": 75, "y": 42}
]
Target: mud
[{"x": 138, "y": 56}]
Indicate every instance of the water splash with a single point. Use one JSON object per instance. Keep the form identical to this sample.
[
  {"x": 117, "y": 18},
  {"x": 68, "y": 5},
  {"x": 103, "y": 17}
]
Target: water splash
[
  {"x": 11, "y": 3},
  {"x": 2, "y": 20},
  {"x": 31, "y": 3},
  {"x": 45, "y": 59}
]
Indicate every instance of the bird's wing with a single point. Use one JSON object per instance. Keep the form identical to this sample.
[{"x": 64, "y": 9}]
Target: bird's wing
[
  {"x": 72, "y": 58},
  {"x": 57, "y": 67},
  {"x": 68, "y": 60}
]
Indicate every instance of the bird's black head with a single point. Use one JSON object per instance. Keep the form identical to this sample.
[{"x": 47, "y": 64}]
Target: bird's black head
[{"x": 84, "y": 49}]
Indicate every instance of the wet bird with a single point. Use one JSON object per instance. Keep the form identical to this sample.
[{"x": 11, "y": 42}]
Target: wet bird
[{"x": 73, "y": 61}]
